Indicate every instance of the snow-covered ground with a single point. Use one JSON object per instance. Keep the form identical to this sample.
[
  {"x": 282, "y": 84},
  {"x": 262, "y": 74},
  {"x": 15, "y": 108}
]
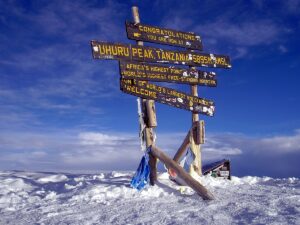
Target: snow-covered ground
[{"x": 106, "y": 198}]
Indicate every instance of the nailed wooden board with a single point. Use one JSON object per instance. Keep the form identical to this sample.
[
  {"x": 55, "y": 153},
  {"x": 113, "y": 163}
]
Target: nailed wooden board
[
  {"x": 159, "y": 73},
  {"x": 167, "y": 96},
  {"x": 106, "y": 50},
  {"x": 142, "y": 32}
]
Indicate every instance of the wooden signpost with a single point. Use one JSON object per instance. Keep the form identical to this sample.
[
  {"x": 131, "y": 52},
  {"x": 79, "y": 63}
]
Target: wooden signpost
[
  {"x": 158, "y": 73},
  {"x": 140, "y": 65}
]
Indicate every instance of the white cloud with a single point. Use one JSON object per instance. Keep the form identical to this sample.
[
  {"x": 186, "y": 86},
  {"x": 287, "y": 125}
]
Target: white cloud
[
  {"x": 38, "y": 154},
  {"x": 259, "y": 3},
  {"x": 240, "y": 52},
  {"x": 93, "y": 138},
  {"x": 178, "y": 23},
  {"x": 247, "y": 33},
  {"x": 281, "y": 144},
  {"x": 292, "y": 6},
  {"x": 275, "y": 145},
  {"x": 55, "y": 56},
  {"x": 239, "y": 28},
  {"x": 282, "y": 49},
  {"x": 76, "y": 150}
]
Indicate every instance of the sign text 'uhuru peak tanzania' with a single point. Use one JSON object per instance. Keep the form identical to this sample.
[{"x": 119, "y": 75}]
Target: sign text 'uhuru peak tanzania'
[{"x": 106, "y": 50}]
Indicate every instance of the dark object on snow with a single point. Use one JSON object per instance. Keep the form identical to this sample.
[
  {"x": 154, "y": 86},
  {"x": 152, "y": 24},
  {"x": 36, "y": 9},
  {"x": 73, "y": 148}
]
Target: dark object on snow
[{"x": 218, "y": 169}]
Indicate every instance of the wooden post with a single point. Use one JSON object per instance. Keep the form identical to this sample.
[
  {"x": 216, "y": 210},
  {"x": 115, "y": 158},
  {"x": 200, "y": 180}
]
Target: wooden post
[
  {"x": 148, "y": 108},
  {"x": 188, "y": 179},
  {"x": 197, "y": 164},
  {"x": 182, "y": 148},
  {"x": 197, "y": 131}
]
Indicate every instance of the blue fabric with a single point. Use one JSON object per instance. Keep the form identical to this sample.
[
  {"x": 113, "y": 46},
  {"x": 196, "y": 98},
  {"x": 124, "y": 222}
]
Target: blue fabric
[
  {"x": 189, "y": 159},
  {"x": 141, "y": 176}
]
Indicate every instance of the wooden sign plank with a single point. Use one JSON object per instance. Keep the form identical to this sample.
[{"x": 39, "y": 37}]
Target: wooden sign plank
[
  {"x": 158, "y": 73},
  {"x": 106, "y": 50},
  {"x": 168, "y": 96},
  {"x": 142, "y": 32}
]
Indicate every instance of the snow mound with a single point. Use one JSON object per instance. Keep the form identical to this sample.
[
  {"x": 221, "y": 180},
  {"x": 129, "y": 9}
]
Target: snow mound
[{"x": 107, "y": 198}]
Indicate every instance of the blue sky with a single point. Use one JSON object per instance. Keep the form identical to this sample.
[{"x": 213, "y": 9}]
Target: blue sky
[{"x": 62, "y": 110}]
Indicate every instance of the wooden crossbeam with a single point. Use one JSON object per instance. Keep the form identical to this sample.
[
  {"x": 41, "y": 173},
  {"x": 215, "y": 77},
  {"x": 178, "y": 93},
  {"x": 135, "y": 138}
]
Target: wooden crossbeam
[{"x": 187, "y": 178}]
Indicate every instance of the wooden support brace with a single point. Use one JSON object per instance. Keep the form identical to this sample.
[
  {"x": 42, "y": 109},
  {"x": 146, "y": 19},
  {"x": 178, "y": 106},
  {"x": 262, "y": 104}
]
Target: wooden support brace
[
  {"x": 198, "y": 135},
  {"x": 187, "y": 178},
  {"x": 182, "y": 148}
]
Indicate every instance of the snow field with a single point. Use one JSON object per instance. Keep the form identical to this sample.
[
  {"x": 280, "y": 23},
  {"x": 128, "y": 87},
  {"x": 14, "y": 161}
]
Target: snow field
[{"x": 107, "y": 198}]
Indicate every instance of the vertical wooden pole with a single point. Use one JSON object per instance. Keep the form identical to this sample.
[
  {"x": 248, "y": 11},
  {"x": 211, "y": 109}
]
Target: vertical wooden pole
[
  {"x": 148, "y": 108},
  {"x": 197, "y": 164}
]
